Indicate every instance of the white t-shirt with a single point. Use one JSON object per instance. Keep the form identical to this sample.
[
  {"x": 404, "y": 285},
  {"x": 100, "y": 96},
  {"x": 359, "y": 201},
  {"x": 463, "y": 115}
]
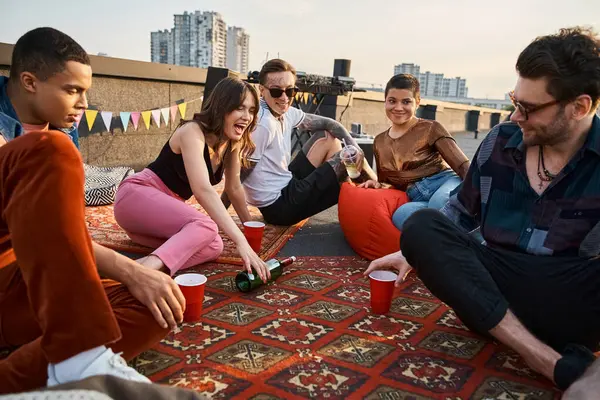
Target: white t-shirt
[{"x": 273, "y": 140}]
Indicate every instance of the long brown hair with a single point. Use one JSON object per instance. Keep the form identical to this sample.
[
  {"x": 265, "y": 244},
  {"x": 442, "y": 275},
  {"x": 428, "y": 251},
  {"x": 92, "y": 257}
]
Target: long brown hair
[{"x": 227, "y": 96}]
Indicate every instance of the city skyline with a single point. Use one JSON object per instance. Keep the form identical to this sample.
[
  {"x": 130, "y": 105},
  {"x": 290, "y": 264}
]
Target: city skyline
[
  {"x": 201, "y": 39},
  {"x": 197, "y": 39},
  {"x": 238, "y": 49},
  {"x": 434, "y": 84},
  {"x": 477, "y": 40}
]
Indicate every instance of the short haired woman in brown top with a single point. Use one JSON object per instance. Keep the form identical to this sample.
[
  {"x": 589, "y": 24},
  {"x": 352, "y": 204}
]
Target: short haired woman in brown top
[{"x": 416, "y": 155}]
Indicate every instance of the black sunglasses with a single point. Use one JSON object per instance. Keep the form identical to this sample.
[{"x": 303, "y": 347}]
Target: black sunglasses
[
  {"x": 289, "y": 92},
  {"x": 526, "y": 111}
]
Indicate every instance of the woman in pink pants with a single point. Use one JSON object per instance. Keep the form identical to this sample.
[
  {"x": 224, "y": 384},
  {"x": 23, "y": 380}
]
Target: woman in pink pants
[{"x": 150, "y": 205}]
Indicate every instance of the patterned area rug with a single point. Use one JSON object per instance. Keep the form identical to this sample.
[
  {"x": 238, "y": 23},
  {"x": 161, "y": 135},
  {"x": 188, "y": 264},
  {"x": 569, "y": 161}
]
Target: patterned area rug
[
  {"x": 104, "y": 230},
  {"x": 311, "y": 335}
]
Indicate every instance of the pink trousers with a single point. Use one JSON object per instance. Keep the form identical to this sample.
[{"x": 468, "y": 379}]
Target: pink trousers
[{"x": 154, "y": 216}]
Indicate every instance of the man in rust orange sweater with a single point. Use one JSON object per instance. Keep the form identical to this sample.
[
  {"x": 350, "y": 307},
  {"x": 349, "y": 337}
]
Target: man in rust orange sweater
[{"x": 64, "y": 321}]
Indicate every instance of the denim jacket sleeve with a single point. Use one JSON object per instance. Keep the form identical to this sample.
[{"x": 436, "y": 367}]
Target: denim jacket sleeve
[
  {"x": 9, "y": 127},
  {"x": 73, "y": 134}
]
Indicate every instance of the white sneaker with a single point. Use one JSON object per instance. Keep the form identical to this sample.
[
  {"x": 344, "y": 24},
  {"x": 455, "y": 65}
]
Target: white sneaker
[{"x": 108, "y": 363}]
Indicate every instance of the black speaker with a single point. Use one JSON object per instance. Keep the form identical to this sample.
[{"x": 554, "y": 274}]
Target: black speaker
[
  {"x": 327, "y": 108},
  {"x": 427, "y": 111},
  {"x": 494, "y": 119},
  {"x": 213, "y": 77},
  {"x": 341, "y": 67},
  {"x": 472, "y": 120}
]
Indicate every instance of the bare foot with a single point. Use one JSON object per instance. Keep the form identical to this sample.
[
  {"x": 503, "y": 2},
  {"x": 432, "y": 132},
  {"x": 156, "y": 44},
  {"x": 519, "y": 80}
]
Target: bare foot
[
  {"x": 587, "y": 387},
  {"x": 153, "y": 262}
]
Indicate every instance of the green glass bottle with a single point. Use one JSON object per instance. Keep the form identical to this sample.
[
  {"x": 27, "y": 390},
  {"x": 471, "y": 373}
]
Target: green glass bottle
[{"x": 246, "y": 282}]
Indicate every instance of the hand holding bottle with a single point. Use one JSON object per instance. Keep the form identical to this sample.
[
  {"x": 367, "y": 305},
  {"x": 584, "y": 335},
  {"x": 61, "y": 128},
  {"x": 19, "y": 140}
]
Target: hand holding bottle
[
  {"x": 252, "y": 260},
  {"x": 246, "y": 281}
]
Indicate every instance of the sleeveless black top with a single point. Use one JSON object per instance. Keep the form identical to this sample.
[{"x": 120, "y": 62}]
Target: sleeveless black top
[{"x": 170, "y": 169}]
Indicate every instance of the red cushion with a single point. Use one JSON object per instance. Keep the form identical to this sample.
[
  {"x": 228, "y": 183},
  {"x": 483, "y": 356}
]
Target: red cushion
[{"x": 366, "y": 219}]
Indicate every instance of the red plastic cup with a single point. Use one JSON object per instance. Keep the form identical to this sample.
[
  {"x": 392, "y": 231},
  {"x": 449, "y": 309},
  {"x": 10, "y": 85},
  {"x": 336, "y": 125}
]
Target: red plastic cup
[
  {"x": 192, "y": 287},
  {"x": 254, "y": 230},
  {"x": 382, "y": 290}
]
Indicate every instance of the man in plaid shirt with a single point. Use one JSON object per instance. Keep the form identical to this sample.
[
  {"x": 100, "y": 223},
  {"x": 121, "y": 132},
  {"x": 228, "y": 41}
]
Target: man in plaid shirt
[{"x": 533, "y": 190}]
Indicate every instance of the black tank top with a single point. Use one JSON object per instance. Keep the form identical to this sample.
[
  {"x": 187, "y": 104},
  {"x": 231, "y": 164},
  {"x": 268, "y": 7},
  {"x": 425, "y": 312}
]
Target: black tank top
[{"x": 170, "y": 169}]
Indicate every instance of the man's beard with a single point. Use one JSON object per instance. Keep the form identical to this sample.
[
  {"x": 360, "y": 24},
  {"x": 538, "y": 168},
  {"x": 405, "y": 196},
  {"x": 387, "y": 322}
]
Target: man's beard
[{"x": 555, "y": 132}]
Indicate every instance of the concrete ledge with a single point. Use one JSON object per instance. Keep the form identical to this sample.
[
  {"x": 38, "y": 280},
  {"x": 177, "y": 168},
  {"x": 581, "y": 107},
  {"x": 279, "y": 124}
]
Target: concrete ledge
[
  {"x": 122, "y": 68},
  {"x": 126, "y": 85},
  {"x": 379, "y": 97}
]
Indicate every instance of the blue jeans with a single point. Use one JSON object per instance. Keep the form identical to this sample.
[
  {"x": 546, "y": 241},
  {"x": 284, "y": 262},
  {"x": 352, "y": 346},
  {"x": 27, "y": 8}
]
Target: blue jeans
[{"x": 431, "y": 192}]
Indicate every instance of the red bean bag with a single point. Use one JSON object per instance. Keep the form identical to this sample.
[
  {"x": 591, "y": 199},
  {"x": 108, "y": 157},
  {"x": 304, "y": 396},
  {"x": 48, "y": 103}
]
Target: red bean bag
[{"x": 366, "y": 219}]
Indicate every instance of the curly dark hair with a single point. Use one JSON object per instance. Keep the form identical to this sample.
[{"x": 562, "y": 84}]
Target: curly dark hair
[
  {"x": 44, "y": 52},
  {"x": 569, "y": 60},
  {"x": 404, "y": 81}
]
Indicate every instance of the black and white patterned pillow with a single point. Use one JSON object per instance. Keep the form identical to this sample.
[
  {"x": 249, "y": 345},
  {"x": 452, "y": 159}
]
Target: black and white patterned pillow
[{"x": 101, "y": 183}]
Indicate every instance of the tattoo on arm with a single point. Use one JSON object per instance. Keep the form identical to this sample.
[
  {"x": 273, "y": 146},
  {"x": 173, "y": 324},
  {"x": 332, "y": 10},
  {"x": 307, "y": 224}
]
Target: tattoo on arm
[
  {"x": 317, "y": 123},
  {"x": 314, "y": 122},
  {"x": 338, "y": 167},
  {"x": 336, "y": 161}
]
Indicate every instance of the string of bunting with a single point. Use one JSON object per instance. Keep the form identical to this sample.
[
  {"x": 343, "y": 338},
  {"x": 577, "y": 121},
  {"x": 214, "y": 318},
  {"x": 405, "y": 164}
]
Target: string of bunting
[
  {"x": 157, "y": 115},
  {"x": 302, "y": 97}
]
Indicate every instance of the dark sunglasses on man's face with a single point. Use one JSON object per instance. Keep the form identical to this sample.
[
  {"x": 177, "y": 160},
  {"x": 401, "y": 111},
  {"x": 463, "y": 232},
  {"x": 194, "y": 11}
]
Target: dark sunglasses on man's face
[{"x": 277, "y": 92}]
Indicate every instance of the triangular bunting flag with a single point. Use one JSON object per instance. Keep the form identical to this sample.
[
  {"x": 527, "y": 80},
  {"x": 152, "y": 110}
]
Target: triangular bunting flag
[
  {"x": 182, "y": 108},
  {"x": 173, "y": 113},
  {"x": 146, "y": 117},
  {"x": 165, "y": 114},
  {"x": 156, "y": 117},
  {"x": 135, "y": 118},
  {"x": 306, "y": 94},
  {"x": 125, "y": 120},
  {"x": 106, "y": 118},
  {"x": 90, "y": 116}
]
